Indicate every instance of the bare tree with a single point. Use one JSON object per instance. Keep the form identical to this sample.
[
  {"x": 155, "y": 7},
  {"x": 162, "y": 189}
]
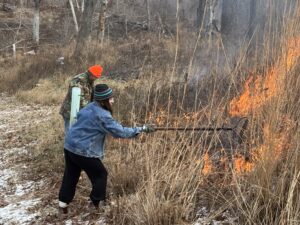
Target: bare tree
[
  {"x": 85, "y": 25},
  {"x": 36, "y": 23},
  {"x": 82, "y": 5},
  {"x": 209, "y": 14},
  {"x": 252, "y": 19},
  {"x": 200, "y": 12},
  {"x": 148, "y": 13},
  {"x": 102, "y": 15},
  {"x": 4, "y": 4},
  {"x": 20, "y": 3},
  {"x": 74, "y": 15},
  {"x": 77, "y": 4}
]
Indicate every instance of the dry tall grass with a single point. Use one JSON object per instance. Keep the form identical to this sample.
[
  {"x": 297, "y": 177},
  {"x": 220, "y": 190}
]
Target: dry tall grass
[
  {"x": 159, "y": 179},
  {"x": 169, "y": 186}
]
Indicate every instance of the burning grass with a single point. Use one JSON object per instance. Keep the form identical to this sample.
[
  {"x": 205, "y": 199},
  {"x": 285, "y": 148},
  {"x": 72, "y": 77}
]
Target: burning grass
[
  {"x": 166, "y": 177},
  {"x": 259, "y": 89}
]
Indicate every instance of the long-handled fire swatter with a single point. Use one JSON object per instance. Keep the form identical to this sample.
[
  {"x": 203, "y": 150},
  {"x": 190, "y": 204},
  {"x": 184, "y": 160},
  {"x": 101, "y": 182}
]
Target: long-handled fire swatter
[
  {"x": 195, "y": 128},
  {"x": 238, "y": 129},
  {"x": 242, "y": 124}
]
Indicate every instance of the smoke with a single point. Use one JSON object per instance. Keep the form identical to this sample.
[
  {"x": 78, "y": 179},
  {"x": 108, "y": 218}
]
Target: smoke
[
  {"x": 246, "y": 29},
  {"x": 232, "y": 29}
]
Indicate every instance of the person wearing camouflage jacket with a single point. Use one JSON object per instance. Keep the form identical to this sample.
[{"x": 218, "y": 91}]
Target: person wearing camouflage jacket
[{"x": 85, "y": 82}]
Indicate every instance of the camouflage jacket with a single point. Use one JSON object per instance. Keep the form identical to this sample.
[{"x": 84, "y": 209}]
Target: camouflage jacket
[{"x": 86, "y": 86}]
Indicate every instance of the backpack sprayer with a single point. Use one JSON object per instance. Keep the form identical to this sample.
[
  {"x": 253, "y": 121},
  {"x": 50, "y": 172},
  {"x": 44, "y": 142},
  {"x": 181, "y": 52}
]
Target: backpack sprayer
[{"x": 75, "y": 104}]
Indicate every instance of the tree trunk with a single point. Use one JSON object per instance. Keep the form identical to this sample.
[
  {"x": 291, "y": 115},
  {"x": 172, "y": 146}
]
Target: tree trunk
[
  {"x": 148, "y": 13},
  {"x": 36, "y": 24},
  {"x": 4, "y": 4},
  {"x": 101, "y": 25},
  {"x": 82, "y": 5},
  {"x": 85, "y": 26},
  {"x": 14, "y": 51},
  {"x": 74, "y": 16},
  {"x": 217, "y": 15},
  {"x": 200, "y": 12},
  {"x": 229, "y": 17},
  {"x": 20, "y": 3},
  {"x": 252, "y": 19},
  {"x": 209, "y": 15},
  {"x": 77, "y": 5}
]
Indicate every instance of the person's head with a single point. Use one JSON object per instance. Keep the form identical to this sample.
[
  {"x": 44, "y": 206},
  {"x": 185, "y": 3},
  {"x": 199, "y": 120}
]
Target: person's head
[
  {"x": 95, "y": 72},
  {"x": 104, "y": 96}
]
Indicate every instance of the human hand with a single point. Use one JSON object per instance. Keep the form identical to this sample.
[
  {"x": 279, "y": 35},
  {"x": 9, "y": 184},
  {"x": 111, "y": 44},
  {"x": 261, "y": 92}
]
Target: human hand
[{"x": 148, "y": 128}]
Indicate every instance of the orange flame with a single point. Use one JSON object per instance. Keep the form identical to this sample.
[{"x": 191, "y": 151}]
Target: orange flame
[
  {"x": 258, "y": 91},
  {"x": 276, "y": 142},
  {"x": 208, "y": 166},
  {"x": 242, "y": 166},
  {"x": 160, "y": 118}
]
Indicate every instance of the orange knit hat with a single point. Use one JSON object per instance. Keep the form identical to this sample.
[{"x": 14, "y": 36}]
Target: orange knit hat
[{"x": 96, "y": 70}]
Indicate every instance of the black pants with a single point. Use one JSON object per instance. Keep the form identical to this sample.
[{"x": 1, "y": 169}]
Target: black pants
[{"x": 95, "y": 171}]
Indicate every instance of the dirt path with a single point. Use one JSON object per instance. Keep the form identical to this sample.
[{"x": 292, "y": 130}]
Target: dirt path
[
  {"x": 27, "y": 198},
  {"x": 17, "y": 195}
]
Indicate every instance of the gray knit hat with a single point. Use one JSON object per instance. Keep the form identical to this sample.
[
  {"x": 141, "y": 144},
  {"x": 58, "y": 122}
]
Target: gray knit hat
[{"x": 102, "y": 92}]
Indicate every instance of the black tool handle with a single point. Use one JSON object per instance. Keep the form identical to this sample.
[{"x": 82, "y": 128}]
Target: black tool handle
[{"x": 194, "y": 128}]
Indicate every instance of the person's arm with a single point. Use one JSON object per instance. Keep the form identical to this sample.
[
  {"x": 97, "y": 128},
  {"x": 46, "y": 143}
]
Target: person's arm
[{"x": 115, "y": 129}]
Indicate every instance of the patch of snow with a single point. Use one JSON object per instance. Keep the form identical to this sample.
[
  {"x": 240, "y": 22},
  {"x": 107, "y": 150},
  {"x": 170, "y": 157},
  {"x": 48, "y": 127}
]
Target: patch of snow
[
  {"x": 204, "y": 218},
  {"x": 18, "y": 212},
  {"x": 22, "y": 189},
  {"x": 16, "y": 194},
  {"x": 68, "y": 222},
  {"x": 12, "y": 154},
  {"x": 101, "y": 221},
  {"x": 5, "y": 175},
  {"x": 3, "y": 126}
]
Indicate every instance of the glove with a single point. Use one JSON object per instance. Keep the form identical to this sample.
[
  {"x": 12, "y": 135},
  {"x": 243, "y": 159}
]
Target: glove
[{"x": 148, "y": 128}]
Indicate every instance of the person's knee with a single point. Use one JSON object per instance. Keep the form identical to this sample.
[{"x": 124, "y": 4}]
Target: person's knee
[
  {"x": 99, "y": 178},
  {"x": 105, "y": 173},
  {"x": 102, "y": 177},
  {"x": 100, "y": 183}
]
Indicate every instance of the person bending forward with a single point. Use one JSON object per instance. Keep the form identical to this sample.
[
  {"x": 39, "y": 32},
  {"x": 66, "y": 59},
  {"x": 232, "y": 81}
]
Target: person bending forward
[{"x": 84, "y": 146}]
